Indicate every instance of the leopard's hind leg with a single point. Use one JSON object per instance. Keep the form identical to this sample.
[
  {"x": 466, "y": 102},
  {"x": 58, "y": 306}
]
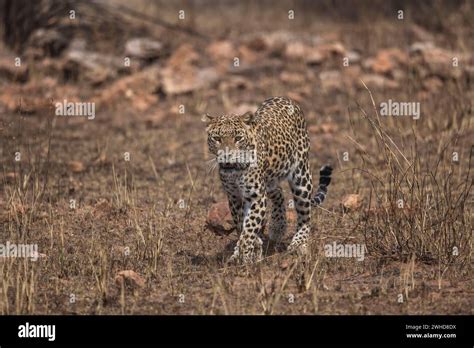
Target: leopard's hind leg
[
  {"x": 301, "y": 186},
  {"x": 278, "y": 223}
]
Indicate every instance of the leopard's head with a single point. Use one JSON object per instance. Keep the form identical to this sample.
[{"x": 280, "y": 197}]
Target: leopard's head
[{"x": 232, "y": 139}]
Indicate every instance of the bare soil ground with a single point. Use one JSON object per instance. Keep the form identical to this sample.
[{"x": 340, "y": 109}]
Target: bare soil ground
[{"x": 131, "y": 189}]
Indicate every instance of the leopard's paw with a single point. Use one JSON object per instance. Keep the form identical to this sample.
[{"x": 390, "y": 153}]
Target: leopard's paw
[
  {"x": 247, "y": 254},
  {"x": 298, "y": 247}
]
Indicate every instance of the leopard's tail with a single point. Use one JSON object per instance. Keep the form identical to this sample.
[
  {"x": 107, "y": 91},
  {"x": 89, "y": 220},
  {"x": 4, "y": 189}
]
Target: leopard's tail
[{"x": 324, "y": 181}]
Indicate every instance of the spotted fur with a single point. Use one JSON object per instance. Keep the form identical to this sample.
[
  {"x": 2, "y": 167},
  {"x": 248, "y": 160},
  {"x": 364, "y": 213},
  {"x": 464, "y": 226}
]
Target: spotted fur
[{"x": 277, "y": 134}]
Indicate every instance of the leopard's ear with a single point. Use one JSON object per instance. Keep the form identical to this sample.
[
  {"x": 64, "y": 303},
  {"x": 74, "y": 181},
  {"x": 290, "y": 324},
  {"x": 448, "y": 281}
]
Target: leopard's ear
[
  {"x": 206, "y": 118},
  {"x": 248, "y": 118}
]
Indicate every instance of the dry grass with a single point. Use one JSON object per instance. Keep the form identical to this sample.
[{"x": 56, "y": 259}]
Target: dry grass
[{"x": 148, "y": 214}]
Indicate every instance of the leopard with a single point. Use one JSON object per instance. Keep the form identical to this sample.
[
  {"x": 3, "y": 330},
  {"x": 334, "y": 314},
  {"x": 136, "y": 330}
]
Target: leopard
[{"x": 254, "y": 153}]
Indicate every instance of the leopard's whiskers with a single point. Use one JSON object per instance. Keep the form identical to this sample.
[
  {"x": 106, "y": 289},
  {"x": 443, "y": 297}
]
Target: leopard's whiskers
[{"x": 212, "y": 164}]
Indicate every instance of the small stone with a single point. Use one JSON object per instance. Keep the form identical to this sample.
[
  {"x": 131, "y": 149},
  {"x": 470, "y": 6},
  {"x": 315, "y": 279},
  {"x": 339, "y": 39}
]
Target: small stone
[
  {"x": 130, "y": 279},
  {"x": 219, "y": 219},
  {"x": 76, "y": 166},
  {"x": 284, "y": 265},
  {"x": 143, "y": 48},
  {"x": 352, "y": 202}
]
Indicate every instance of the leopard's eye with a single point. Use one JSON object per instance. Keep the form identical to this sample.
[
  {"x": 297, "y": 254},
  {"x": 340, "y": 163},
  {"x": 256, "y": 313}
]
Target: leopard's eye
[
  {"x": 239, "y": 138},
  {"x": 216, "y": 138}
]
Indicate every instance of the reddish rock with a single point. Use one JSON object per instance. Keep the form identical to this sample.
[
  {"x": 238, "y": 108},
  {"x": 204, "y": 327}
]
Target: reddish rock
[
  {"x": 223, "y": 49},
  {"x": 247, "y": 56},
  {"x": 187, "y": 79},
  {"x": 284, "y": 265},
  {"x": 181, "y": 75},
  {"x": 315, "y": 57},
  {"x": 129, "y": 279},
  {"x": 257, "y": 44},
  {"x": 333, "y": 48},
  {"x": 137, "y": 90},
  {"x": 276, "y": 41},
  {"x": 76, "y": 166},
  {"x": 219, "y": 219},
  {"x": 184, "y": 55},
  {"x": 437, "y": 61},
  {"x": 386, "y": 61},
  {"x": 312, "y": 54},
  {"x": 296, "y": 50},
  {"x": 379, "y": 81},
  {"x": 294, "y": 78},
  {"x": 352, "y": 202}
]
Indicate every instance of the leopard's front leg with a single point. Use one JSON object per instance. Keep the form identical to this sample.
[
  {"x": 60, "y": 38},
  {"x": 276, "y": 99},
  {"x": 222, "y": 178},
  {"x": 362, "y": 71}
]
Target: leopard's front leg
[
  {"x": 249, "y": 245},
  {"x": 235, "y": 204}
]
